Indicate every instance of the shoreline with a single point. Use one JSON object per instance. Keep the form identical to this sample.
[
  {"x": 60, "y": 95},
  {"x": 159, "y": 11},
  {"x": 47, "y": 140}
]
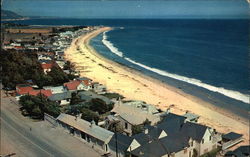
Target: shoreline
[{"x": 136, "y": 86}]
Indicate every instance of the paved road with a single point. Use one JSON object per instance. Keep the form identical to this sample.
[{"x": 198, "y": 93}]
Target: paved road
[{"x": 41, "y": 141}]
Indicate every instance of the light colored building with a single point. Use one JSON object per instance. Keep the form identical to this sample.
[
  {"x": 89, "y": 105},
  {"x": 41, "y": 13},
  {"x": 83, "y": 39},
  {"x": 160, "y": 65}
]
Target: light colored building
[
  {"x": 56, "y": 89},
  {"x": 135, "y": 113},
  {"x": 94, "y": 135}
]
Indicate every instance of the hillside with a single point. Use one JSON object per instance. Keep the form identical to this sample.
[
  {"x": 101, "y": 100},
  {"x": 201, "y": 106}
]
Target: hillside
[{"x": 10, "y": 15}]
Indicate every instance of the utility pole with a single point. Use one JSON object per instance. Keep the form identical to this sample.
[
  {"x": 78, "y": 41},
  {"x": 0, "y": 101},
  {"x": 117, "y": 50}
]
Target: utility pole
[{"x": 116, "y": 150}]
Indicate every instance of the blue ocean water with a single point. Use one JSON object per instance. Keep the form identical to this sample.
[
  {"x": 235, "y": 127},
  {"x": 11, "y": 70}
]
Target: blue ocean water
[{"x": 207, "y": 58}]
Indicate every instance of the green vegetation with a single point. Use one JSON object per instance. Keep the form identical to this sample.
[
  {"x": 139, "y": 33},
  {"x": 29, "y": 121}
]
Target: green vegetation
[
  {"x": 36, "y": 106},
  {"x": 98, "y": 105},
  {"x": 89, "y": 115},
  {"x": 75, "y": 28},
  {"x": 75, "y": 99},
  {"x": 117, "y": 128},
  {"x": 113, "y": 95},
  {"x": 18, "y": 67}
]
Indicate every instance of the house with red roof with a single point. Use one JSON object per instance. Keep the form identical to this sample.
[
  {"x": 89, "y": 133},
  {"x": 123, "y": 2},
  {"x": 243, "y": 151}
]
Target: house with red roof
[
  {"x": 86, "y": 81},
  {"x": 75, "y": 85},
  {"x": 23, "y": 89},
  {"x": 46, "y": 93},
  {"x": 47, "y": 67}
]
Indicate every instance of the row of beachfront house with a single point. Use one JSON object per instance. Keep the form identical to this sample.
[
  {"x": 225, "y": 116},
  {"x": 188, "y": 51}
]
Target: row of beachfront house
[{"x": 168, "y": 135}]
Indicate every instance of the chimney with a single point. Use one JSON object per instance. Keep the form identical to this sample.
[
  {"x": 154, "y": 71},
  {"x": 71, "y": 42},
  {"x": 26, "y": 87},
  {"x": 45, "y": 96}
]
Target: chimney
[
  {"x": 78, "y": 117},
  {"x": 92, "y": 123},
  {"x": 146, "y": 131}
]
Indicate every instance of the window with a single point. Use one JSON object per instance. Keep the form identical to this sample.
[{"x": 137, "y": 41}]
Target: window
[
  {"x": 202, "y": 141},
  {"x": 210, "y": 138},
  {"x": 126, "y": 125}
]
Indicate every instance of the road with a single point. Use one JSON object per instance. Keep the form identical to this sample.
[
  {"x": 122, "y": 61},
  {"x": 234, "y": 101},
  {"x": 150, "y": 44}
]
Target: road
[{"x": 29, "y": 138}]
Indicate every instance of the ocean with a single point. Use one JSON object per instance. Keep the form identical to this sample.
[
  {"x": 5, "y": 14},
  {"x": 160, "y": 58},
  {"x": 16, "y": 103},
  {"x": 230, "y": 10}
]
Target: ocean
[{"x": 206, "y": 58}]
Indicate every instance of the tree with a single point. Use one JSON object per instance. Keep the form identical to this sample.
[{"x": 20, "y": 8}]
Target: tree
[
  {"x": 75, "y": 99},
  {"x": 36, "y": 106},
  {"x": 58, "y": 76},
  {"x": 100, "y": 106},
  {"x": 89, "y": 115},
  {"x": 116, "y": 128}
]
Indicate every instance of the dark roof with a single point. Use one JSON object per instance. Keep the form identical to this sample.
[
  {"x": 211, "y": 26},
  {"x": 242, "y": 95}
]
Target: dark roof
[
  {"x": 178, "y": 124},
  {"x": 171, "y": 116},
  {"x": 175, "y": 143},
  {"x": 60, "y": 96},
  {"x": 153, "y": 134},
  {"x": 194, "y": 130},
  {"x": 123, "y": 142},
  {"x": 242, "y": 151},
  {"x": 231, "y": 136},
  {"x": 153, "y": 149}
]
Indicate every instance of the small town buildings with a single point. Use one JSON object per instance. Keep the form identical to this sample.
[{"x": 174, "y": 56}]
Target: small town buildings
[
  {"x": 23, "y": 89},
  {"x": 88, "y": 95},
  {"x": 134, "y": 113},
  {"x": 26, "y": 89},
  {"x": 191, "y": 117},
  {"x": 122, "y": 144},
  {"x": 242, "y": 151},
  {"x": 46, "y": 93},
  {"x": 56, "y": 89},
  {"x": 99, "y": 88},
  {"x": 180, "y": 138},
  {"x": 231, "y": 139},
  {"x": 75, "y": 85},
  {"x": 87, "y": 82},
  {"x": 61, "y": 98},
  {"x": 89, "y": 132}
]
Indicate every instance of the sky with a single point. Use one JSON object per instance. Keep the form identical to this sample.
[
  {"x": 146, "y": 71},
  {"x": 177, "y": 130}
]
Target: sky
[{"x": 130, "y": 8}]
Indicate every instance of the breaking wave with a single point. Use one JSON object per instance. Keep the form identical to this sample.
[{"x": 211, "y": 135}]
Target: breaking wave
[
  {"x": 110, "y": 45},
  {"x": 229, "y": 93}
]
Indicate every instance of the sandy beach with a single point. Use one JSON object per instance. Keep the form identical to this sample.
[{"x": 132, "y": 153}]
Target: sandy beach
[{"x": 136, "y": 86}]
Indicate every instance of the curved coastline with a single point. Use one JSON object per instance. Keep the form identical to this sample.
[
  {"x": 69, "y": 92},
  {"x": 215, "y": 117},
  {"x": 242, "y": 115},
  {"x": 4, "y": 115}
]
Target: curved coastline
[{"x": 135, "y": 85}]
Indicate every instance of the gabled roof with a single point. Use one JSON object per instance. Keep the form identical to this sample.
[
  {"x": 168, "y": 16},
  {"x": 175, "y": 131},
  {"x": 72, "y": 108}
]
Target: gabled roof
[
  {"x": 23, "y": 89},
  {"x": 242, "y": 151},
  {"x": 231, "y": 136},
  {"x": 86, "y": 127},
  {"x": 153, "y": 149},
  {"x": 46, "y": 93},
  {"x": 191, "y": 116},
  {"x": 57, "y": 89},
  {"x": 60, "y": 96},
  {"x": 153, "y": 134},
  {"x": 88, "y": 95},
  {"x": 72, "y": 85},
  {"x": 123, "y": 142},
  {"x": 134, "y": 115}
]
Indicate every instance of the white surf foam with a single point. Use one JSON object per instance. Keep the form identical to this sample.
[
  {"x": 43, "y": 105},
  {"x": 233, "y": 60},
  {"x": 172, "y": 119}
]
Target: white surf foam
[
  {"x": 229, "y": 93},
  {"x": 110, "y": 45}
]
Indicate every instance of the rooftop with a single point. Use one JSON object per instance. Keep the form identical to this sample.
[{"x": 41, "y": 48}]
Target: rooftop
[
  {"x": 231, "y": 136},
  {"x": 87, "y": 127}
]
